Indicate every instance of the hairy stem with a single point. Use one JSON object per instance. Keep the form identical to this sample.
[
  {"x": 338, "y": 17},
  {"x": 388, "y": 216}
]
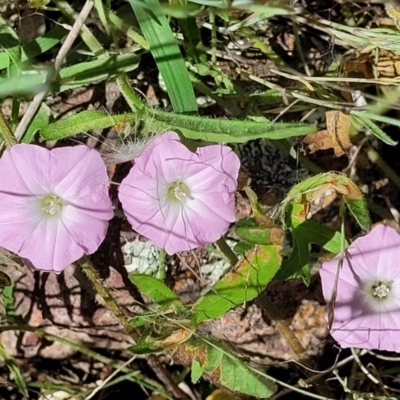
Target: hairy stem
[{"x": 229, "y": 254}]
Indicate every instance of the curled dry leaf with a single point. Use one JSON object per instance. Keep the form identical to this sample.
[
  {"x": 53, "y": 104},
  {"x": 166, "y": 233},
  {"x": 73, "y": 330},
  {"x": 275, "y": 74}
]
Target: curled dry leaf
[{"x": 335, "y": 136}]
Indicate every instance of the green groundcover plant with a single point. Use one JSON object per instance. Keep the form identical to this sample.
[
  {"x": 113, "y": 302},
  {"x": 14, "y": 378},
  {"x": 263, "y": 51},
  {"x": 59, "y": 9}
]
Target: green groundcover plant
[{"x": 179, "y": 193}]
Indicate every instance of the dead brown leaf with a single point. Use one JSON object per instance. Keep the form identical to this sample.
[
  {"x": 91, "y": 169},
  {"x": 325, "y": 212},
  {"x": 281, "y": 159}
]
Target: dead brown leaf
[{"x": 335, "y": 136}]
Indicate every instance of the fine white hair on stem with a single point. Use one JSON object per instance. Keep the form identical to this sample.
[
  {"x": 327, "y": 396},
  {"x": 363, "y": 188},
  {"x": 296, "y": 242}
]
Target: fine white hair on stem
[{"x": 125, "y": 152}]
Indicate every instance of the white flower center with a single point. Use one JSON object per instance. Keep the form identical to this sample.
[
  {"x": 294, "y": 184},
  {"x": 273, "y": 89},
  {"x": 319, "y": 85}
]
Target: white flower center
[
  {"x": 178, "y": 192},
  {"x": 51, "y": 205},
  {"x": 380, "y": 290},
  {"x": 381, "y": 295}
]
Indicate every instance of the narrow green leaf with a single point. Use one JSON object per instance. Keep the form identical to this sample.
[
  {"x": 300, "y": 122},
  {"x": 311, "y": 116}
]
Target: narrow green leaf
[
  {"x": 102, "y": 10},
  {"x": 9, "y": 43},
  {"x": 43, "y": 43},
  {"x": 225, "y": 130},
  {"x": 8, "y": 300},
  {"x": 191, "y": 32},
  {"x": 249, "y": 278},
  {"x": 156, "y": 290},
  {"x": 207, "y": 129},
  {"x": 37, "y": 46},
  {"x": 20, "y": 82},
  {"x": 375, "y": 130},
  {"x": 81, "y": 122},
  {"x": 359, "y": 210},
  {"x": 97, "y": 70},
  {"x": 41, "y": 119},
  {"x": 165, "y": 50},
  {"x": 15, "y": 371},
  {"x": 255, "y": 205}
]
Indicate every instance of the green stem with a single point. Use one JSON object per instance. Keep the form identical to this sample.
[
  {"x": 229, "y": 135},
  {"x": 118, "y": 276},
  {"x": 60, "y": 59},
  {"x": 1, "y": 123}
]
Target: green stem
[
  {"x": 129, "y": 95},
  {"x": 141, "y": 379},
  {"x": 213, "y": 37},
  {"x": 14, "y": 113},
  {"x": 5, "y": 132},
  {"x": 96, "y": 280},
  {"x": 86, "y": 35},
  {"x": 161, "y": 267},
  {"x": 227, "y": 251},
  {"x": 282, "y": 325},
  {"x": 375, "y": 158}
]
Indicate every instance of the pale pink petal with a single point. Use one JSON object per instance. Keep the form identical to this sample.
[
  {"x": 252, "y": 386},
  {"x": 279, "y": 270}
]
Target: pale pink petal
[
  {"x": 373, "y": 331},
  {"x": 379, "y": 249},
  {"x": 83, "y": 181},
  {"x": 166, "y": 159},
  {"x": 18, "y": 219},
  {"x": 26, "y": 167},
  {"x": 86, "y": 230},
  {"x": 78, "y": 177},
  {"x": 225, "y": 165},
  {"x": 210, "y": 175},
  {"x": 49, "y": 247},
  {"x": 347, "y": 285},
  {"x": 360, "y": 320}
]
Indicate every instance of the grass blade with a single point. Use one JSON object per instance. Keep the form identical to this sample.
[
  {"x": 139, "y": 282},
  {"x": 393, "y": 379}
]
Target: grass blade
[{"x": 165, "y": 50}]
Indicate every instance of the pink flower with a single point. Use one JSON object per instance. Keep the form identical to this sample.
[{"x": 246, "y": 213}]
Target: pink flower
[
  {"x": 54, "y": 204},
  {"x": 181, "y": 199},
  {"x": 367, "y": 308}
]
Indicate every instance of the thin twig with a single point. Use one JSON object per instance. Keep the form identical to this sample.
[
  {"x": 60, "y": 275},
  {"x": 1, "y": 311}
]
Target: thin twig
[
  {"x": 108, "y": 379},
  {"x": 165, "y": 377},
  {"x": 69, "y": 40}
]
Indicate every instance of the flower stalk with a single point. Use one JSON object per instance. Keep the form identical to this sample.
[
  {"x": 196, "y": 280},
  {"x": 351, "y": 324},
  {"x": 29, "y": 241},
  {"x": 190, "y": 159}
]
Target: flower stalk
[
  {"x": 109, "y": 300},
  {"x": 227, "y": 251}
]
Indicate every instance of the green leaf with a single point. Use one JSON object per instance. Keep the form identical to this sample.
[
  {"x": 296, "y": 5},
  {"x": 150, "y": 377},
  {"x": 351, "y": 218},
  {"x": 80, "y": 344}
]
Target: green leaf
[
  {"x": 20, "y": 83},
  {"x": 374, "y": 129},
  {"x": 97, "y": 70},
  {"x": 196, "y": 371},
  {"x": 253, "y": 233},
  {"x": 224, "y": 130},
  {"x": 157, "y": 291},
  {"x": 41, "y": 119},
  {"x": 9, "y": 43},
  {"x": 313, "y": 188},
  {"x": 81, "y": 122},
  {"x": 250, "y": 277},
  {"x": 224, "y": 369},
  {"x": 144, "y": 344},
  {"x": 8, "y": 300},
  {"x": 5, "y": 280},
  {"x": 242, "y": 248},
  {"x": 15, "y": 371},
  {"x": 303, "y": 233},
  {"x": 255, "y": 205},
  {"x": 37, "y": 46},
  {"x": 208, "y": 129},
  {"x": 166, "y": 52},
  {"x": 358, "y": 209}
]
